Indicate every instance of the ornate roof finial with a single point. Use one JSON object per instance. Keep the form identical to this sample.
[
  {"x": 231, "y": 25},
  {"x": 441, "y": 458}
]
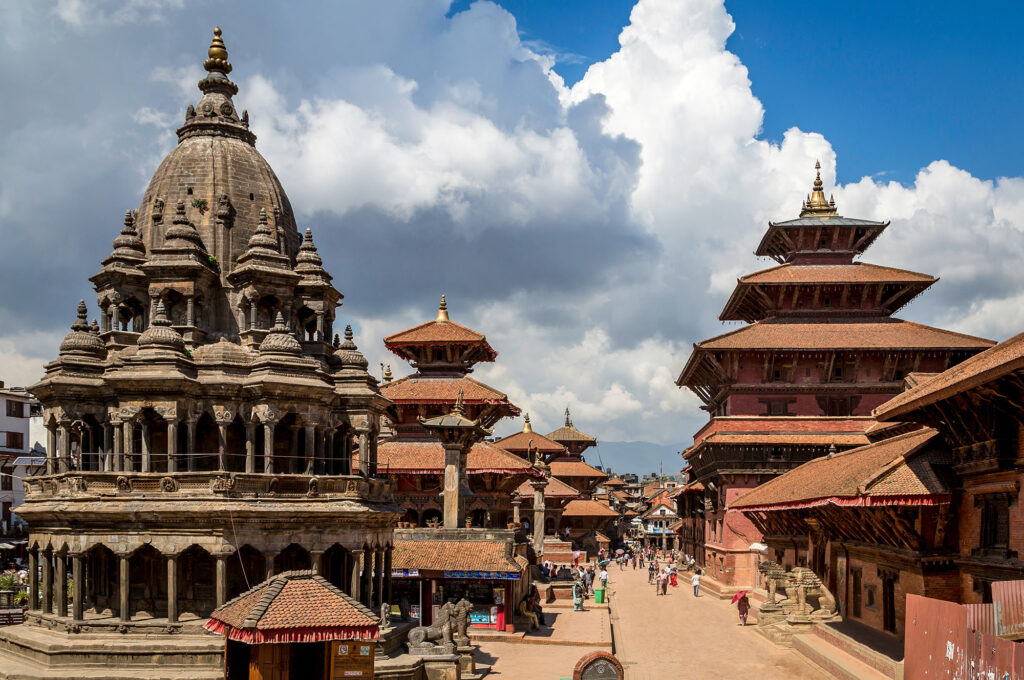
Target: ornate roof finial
[
  {"x": 218, "y": 54},
  {"x": 337, "y": 341},
  {"x": 387, "y": 374},
  {"x": 81, "y": 323},
  {"x": 442, "y": 311},
  {"x": 307, "y": 254},
  {"x": 816, "y": 205},
  {"x": 527, "y": 427},
  {"x": 568, "y": 420},
  {"x": 459, "y": 408},
  {"x": 161, "y": 315}
]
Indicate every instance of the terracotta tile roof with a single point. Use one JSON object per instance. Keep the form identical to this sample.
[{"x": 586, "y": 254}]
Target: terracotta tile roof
[
  {"x": 436, "y": 332},
  {"x": 675, "y": 526},
  {"x": 621, "y": 495},
  {"x": 292, "y": 606},
  {"x": 890, "y": 471},
  {"x": 783, "y": 424},
  {"x": 858, "y": 272},
  {"x": 427, "y": 457},
  {"x": 847, "y": 439},
  {"x": 442, "y": 389},
  {"x": 574, "y": 467},
  {"x": 450, "y": 555},
  {"x": 588, "y": 508},
  {"x": 556, "y": 488},
  {"x": 568, "y": 433},
  {"x": 1005, "y": 358},
  {"x": 784, "y": 334},
  {"x": 614, "y": 481},
  {"x": 520, "y": 441}
]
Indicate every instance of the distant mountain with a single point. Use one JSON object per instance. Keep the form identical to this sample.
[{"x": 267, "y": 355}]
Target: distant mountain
[{"x": 637, "y": 457}]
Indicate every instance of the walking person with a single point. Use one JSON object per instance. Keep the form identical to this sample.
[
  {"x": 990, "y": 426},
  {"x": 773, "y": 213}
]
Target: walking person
[
  {"x": 695, "y": 581},
  {"x": 659, "y": 587},
  {"x": 742, "y": 606},
  {"x": 651, "y": 569},
  {"x": 603, "y": 578}
]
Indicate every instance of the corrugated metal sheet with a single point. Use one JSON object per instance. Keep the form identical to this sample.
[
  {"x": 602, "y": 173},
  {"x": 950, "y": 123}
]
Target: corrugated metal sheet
[
  {"x": 981, "y": 617},
  {"x": 1009, "y": 599}
]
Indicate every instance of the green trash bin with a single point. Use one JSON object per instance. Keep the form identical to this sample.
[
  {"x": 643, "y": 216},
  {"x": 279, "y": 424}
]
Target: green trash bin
[{"x": 599, "y": 595}]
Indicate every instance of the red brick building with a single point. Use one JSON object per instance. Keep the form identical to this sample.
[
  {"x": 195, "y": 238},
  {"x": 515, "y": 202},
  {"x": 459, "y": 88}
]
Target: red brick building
[{"x": 820, "y": 350}]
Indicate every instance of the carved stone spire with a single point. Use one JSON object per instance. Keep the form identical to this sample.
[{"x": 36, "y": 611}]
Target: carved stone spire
[
  {"x": 81, "y": 340},
  {"x": 262, "y": 247},
  {"x": 182, "y": 233},
  {"x": 160, "y": 335},
  {"x": 215, "y": 108}
]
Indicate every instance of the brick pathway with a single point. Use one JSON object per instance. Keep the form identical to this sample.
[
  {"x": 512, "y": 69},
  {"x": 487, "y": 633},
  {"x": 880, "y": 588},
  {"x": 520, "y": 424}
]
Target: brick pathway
[{"x": 659, "y": 638}]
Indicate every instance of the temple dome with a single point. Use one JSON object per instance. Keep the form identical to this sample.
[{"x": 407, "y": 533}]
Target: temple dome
[
  {"x": 279, "y": 340},
  {"x": 160, "y": 335},
  {"x": 349, "y": 354},
  {"x": 81, "y": 340},
  {"x": 218, "y": 173}
]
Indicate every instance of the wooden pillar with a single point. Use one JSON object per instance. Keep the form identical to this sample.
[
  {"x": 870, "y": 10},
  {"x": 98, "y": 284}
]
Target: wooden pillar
[
  {"x": 172, "y": 588},
  {"x": 172, "y": 445},
  {"x": 124, "y": 587},
  {"x": 60, "y": 590},
  {"x": 33, "y": 579},
  {"x": 354, "y": 580},
  {"x": 222, "y": 579},
  {"x": 268, "y": 448},
  {"x": 77, "y": 575},
  {"x": 250, "y": 447}
]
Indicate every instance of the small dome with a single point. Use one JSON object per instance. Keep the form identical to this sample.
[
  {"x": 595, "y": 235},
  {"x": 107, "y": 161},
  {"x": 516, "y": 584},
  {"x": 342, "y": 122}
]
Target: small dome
[
  {"x": 81, "y": 340},
  {"x": 222, "y": 351},
  {"x": 279, "y": 340},
  {"x": 160, "y": 335},
  {"x": 183, "y": 230},
  {"x": 307, "y": 253},
  {"x": 128, "y": 242},
  {"x": 349, "y": 354}
]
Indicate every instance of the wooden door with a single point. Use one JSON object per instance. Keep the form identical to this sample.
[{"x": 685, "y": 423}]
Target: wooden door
[{"x": 269, "y": 662}]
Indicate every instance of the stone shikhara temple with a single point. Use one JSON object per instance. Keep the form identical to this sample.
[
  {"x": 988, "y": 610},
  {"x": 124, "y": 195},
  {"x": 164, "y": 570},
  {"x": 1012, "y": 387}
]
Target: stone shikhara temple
[
  {"x": 205, "y": 433},
  {"x": 820, "y": 350}
]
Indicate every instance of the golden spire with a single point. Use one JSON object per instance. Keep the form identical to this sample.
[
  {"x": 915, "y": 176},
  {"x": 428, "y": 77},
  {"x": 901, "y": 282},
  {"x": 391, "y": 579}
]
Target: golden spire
[
  {"x": 387, "y": 374},
  {"x": 527, "y": 427},
  {"x": 459, "y": 408},
  {"x": 816, "y": 205},
  {"x": 568, "y": 420},
  {"x": 218, "y": 54},
  {"x": 442, "y": 311}
]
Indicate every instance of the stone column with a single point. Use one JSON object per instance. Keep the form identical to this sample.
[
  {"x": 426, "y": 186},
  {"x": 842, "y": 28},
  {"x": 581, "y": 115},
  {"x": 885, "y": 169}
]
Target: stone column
[
  {"x": 268, "y": 447},
  {"x": 388, "y": 583},
  {"x": 60, "y": 590},
  {"x": 538, "y": 514},
  {"x": 316, "y": 559},
  {"x": 65, "y": 447},
  {"x": 190, "y": 311},
  {"x": 51, "y": 449},
  {"x": 190, "y": 443},
  {"x": 268, "y": 562},
  {"x": 293, "y": 451},
  {"x": 172, "y": 445},
  {"x": 129, "y": 444},
  {"x": 146, "y": 442},
  {"x": 452, "y": 477},
  {"x": 364, "y": 453},
  {"x": 108, "y": 447},
  {"x": 33, "y": 579},
  {"x": 310, "y": 448},
  {"x": 118, "y": 445},
  {"x": 250, "y": 447},
  {"x": 172, "y": 588},
  {"x": 379, "y": 567},
  {"x": 367, "y": 598},
  {"x": 124, "y": 587},
  {"x": 354, "y": 576},
  {"x": 252, "y": 314},
  {"x": 517, "y": 503},
  {"x": 222, "y": 578},
  {"x": 319, "y": 327},
  {"x": 222, "y": 445},
  {"x": 77, "y": 574},
  {"x": 47, "y": 581}
]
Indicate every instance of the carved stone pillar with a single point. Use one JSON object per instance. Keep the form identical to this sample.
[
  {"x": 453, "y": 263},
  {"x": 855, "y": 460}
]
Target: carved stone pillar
[
  {"x": 108, "y": 447},
  {"x": 354, "y": 580},
  {"x": 118, "y": 445},
  {"x": 268, "y": 447},
  {"x": 33, "y": 579},
  {"x": 517, "y": 503},
  {"x": 64, "y": 459},
  {"x": 146, "y": 442},
  {"x": 51, "y": 449},
  {"x": 190, "y": 311},
  {"x": 388, "y": 584},
  {"x": 129, "y": 444},
  {"x": 310, "y": 448},
  {"x": 222, "y": 578},
  {"x": 47, "y": 581},
  {"x": 125, "y": 588},
  {"x": 538, "y": 514},
  {"x": 172, "y": 588},
  {"x": 268, "y": 562},
  {"x": 252, "y": 314},
  {"x": 222, "y": 445},
  {"x": 378, "y": 565},
  {"x": 172, "y": 444},
  {"x": 316, "y": 559},
  {"x": 367, "y": 593},
  {"x": 453, "y": 502},
  {"x": 250, "y": 447},
  {"x": 319, "y": 327},
  {"x": 77, "y": 576},
  {"x": 190, "y": 443},
  {"x": 364, "y": 453},
  {"x": 60, "y": 590},
  {"x": 293, "y": 451}
]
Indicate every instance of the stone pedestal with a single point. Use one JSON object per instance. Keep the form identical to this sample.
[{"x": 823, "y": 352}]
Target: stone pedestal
[
  {"x": 467, "y": 662},
  {"x": 442, "y": 667}
]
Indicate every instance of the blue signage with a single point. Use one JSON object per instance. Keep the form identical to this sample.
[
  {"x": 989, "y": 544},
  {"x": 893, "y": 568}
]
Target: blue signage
[{"x": 487, "y": 575}]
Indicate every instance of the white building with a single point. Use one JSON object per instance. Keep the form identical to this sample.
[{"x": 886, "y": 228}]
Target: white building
[{"x": 21, "y": 453}]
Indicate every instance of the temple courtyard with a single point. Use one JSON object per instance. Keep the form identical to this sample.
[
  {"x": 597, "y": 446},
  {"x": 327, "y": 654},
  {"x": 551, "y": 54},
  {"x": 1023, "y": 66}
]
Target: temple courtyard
[{"x": 655, "y": 638}]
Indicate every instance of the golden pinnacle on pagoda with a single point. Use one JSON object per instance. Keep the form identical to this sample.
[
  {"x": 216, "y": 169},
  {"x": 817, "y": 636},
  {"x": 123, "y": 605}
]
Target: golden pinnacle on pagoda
[
  {"x": 442, "y": 311},
  {"x": 218, "y": 54},
  {"x": 816, "y": 205},
  {"x": 527, "y": 427}
]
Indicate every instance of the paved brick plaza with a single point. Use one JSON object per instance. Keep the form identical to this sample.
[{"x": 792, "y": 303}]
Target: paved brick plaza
[{"x": 659, "y": 638}]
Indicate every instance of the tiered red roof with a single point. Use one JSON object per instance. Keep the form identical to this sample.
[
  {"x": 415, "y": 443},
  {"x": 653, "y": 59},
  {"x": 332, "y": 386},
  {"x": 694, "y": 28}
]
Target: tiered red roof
[
  {"x": 520, "y": 442},
  {"x": 587, "y": 508},
  {"x": 556, "y": 488},
  {"x": 400, "y": 457},
  {"x": 568, "y": 466},
  {"x": 443, "y": 389}
]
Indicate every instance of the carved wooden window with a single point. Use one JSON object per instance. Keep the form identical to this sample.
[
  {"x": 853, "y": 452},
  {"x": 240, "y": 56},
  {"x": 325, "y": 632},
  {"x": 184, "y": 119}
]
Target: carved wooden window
[
  {"x": 995, "y": 523},
  {"x": 858, "y": 590}
]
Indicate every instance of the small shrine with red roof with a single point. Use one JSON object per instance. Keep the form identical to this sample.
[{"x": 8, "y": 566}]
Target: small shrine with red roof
[
  {"x": 820, "y": 349},
  {"x": 444, "y": 353}
]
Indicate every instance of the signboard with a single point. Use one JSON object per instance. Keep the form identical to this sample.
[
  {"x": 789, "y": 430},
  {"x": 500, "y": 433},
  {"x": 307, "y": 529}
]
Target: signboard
[
  {"x": 598, "y": 666},
  {"x": 352, "y": 659},
  {"x": 487, "y": 575},
  {"x": 405, "y": 573},
  {"x": 479, "y": 617}
]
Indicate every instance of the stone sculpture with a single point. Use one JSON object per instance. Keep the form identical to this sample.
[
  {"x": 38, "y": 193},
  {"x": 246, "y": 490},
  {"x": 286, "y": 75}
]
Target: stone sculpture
[
  {"x": 461, "y": 614},
  {"x": 422, "y": 639}
]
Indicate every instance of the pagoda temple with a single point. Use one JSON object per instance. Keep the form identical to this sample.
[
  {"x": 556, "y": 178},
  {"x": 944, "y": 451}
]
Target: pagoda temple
[
  {"x": 444, "y": 353},
  {"x": 820, "y": 350},
  {"x": 204, "y": 434}
]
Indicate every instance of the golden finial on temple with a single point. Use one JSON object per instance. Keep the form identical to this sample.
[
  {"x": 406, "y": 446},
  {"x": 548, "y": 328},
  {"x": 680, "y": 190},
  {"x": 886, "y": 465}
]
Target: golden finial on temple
[
  {"x": 218, "y": 54},
  {"x": 527, "y": 427},
  {"x": 816, "y": 205},
  {"x": 442, "y": 311}
]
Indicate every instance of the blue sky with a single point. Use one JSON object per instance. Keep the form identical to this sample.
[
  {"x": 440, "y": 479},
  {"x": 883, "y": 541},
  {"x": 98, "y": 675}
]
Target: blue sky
[{"x": 892, "y": 85}]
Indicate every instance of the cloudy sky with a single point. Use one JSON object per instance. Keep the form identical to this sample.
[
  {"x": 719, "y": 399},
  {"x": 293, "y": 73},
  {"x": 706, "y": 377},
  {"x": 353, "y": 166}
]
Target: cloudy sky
[{"x": 585, "y": 183}]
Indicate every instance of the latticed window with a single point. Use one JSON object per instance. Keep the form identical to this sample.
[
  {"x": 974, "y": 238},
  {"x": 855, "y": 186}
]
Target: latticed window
[{"x": 995, "y": 524}]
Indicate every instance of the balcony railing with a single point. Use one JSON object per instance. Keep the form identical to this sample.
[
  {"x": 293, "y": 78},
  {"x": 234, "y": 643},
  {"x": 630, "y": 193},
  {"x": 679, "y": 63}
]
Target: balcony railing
[{"x": 113, "y": 485}]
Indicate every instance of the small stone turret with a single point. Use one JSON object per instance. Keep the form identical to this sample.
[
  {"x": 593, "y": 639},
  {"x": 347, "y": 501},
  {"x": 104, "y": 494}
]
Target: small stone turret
[{"x": 81, "y": 341}]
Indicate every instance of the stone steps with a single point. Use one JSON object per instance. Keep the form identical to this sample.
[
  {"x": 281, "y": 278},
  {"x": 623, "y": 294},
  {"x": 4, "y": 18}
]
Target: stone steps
[{"x": 833, "y": 661}]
